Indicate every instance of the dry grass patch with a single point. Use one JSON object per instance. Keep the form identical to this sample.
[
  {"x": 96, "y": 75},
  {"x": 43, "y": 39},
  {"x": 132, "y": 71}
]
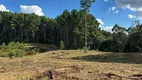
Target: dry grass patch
[{"x": 70, "y": 65}]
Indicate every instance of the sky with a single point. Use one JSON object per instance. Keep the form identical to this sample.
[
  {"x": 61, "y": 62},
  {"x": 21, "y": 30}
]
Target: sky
[{"x": 107, "y": 12}]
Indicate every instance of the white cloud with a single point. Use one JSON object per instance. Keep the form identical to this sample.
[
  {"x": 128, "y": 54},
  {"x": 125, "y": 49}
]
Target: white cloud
[
  {"x": 113, "y": 10},
  {"x": 106, "y": 28},
  {"x": 3, "y": 8},
  {"x": 135, "y": 9},
  {"x": 131, "y": 16},
  {"x": 116, "y": 12},
  {"x": 32, "y": 9},
  {"x": 133, "y": 5},
  {"x": 100, "y": 21}
]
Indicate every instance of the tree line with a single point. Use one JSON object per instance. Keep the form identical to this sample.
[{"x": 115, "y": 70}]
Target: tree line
[
  {"x": 124, "y": 40},
  {"x": 68, "y": 28}
]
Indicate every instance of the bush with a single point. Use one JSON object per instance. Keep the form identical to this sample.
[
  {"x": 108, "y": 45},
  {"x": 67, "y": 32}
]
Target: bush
[
  {"x": 16, "y": 49},
  {"x": 3, "y": 45},
  {"x": 62, "y": 46},
  {"x": 17, "y": 45},
  {"x": 31, "y": 52},
  {"x": 19, "y": 53},
  {"x": 11, "y": 53}
]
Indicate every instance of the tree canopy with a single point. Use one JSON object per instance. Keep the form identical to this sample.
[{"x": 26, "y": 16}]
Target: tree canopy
[{"x": 68, "y": 28}]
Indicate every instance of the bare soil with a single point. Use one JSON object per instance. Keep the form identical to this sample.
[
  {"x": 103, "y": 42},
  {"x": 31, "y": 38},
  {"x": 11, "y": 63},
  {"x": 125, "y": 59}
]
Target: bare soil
[{"x": 72, "y": 65}]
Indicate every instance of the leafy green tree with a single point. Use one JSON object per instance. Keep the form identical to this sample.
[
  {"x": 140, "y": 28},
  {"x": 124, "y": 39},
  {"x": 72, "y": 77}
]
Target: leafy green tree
[
  {"x": 70, "y": 28},
  {"x": 134, "y": 43},
  {"x": 120, "y": 38},
  {"x": 135, "y": 38},
  {"x": 117, "y": 29},
  {"x": 85, "y": 5}
]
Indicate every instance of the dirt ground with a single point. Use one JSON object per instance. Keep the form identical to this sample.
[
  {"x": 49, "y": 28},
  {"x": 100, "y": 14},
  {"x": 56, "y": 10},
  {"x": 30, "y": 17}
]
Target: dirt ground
[{"x": 73, "y": 65}]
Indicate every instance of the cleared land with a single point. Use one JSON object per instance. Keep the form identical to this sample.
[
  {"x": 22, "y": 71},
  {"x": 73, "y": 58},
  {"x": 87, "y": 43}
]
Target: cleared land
[{"x": 73, "y": 65}]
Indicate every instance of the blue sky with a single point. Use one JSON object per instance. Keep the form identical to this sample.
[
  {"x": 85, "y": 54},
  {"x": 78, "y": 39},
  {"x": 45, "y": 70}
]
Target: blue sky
[{"x": 107, "y": 12}]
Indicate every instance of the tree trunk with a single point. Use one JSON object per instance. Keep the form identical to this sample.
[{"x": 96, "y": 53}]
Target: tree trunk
[{"x": 85, "y": 31}]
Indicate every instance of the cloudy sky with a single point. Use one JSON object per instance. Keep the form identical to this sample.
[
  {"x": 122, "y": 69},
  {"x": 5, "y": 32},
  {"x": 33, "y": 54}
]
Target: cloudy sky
[{"x": 107, "y": 12}]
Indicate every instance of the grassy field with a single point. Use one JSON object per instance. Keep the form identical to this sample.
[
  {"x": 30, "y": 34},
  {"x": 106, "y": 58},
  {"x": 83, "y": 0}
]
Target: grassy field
[{"x": 73, "y": 65}]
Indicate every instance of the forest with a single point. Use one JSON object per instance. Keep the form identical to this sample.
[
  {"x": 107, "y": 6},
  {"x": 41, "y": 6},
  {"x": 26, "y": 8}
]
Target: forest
[{"x": 68, "y": 28}]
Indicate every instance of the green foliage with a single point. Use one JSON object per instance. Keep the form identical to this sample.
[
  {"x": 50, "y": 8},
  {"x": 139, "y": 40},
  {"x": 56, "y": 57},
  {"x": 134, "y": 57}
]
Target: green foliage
[
  {"x": 134, "y": 43},
  {"x": 118, "y": 41},
  {"x": 11, "y": 53},
  {"x": 3, "y": 45},
  {"x": 62, "y": 46},
  {"x": 30, "y": 28},
  {"x": 123, "y": 40},
  {"x": 118, "y": 29},
  {"x": 17, "y": 45},
  {"x": 86, "y": 4},
  {"x": 31, "y": 52},
  {"x": 68, "y": 27},
  {"x": 16, "y": 49}
]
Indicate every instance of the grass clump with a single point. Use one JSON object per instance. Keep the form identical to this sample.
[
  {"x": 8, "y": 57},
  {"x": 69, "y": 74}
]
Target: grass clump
[{"x": 16, "y": 49}]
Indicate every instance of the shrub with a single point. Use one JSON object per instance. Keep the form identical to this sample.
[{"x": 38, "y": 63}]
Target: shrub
[
  {"x": 31, "y": 52},
  {"x": 11, "y": 53},
  {"x": 16, "y": 49},
  {"x": 17, "y": 45},
  {"x": 3, "y": 45},
  {"x": 62, "y": 46},
  {"x": 19, "y": 53}
]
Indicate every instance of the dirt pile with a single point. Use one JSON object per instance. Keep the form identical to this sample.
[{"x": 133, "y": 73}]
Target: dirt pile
[
  {"x": 72, "y": 73},
  {"x": 61, "y": 73}
]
